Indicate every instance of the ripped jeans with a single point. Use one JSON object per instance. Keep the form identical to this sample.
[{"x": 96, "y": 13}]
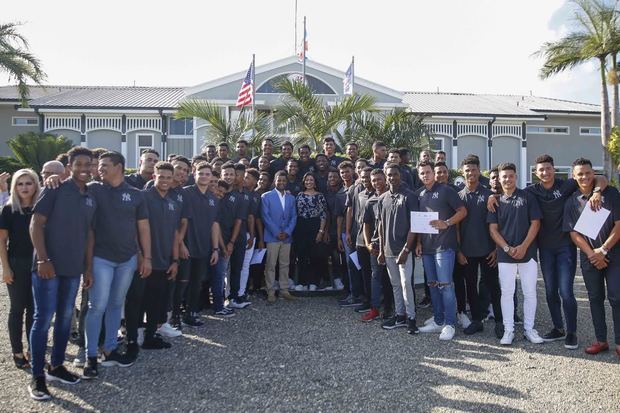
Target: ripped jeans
[{"x": 438, "y": 268}]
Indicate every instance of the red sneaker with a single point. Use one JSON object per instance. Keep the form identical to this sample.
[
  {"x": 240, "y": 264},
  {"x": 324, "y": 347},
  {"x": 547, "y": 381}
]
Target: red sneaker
[
  {"x": 373, "y": 314},
  {"x": 597, "y": 347},
  {"x": 618, "y": 349}
]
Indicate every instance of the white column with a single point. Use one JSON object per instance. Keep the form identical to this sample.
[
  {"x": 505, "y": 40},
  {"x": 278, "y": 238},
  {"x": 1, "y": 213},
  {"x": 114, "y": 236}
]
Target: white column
[
  {"x": 124, "y": 146},
  {"x": 524, "y": 168},
  {"x": 196, "y": 150},
  {"x": 85, "y": 143},
  {"x": 455, "y": 154}
]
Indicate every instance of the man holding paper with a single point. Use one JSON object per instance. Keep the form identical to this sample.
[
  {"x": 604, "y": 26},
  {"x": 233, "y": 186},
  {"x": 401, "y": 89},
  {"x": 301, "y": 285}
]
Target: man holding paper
[
  {"x": 279, "y": 219},
  {"x": 596, "y": 234},
  {"x": 438, "y": 249}
]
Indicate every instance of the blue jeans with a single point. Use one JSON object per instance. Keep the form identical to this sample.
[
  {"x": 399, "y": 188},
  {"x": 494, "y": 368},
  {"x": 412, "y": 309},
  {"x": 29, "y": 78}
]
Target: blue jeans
[
  {"x": 558, "y": 266},
  {"x": 438, "y": 268},
  {"x": 54, "y": 295},
  {"x": 107, "y": 296}
]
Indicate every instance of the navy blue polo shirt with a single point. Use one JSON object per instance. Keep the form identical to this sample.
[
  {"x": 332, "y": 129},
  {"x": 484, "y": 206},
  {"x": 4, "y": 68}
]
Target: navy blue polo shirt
[
  {"x": 177, "y": 194},
  {"x": 361, "y": 200},
  {"x": 513, "y": 216},
  {"x": 572, "y": 211},
  {"x": 164, "y": 220},
  {"x": 136, "y": 180},
  {"x": 475, "y": 237},
  {"x": 352, "y": 201},
  {"x": 305, "y": 167},
  {"x": 202, "y": 211},
  {"x": 377, "y": 165},
  {"x": 118, "y": 211},
  {"x": 551, "y": 202},
  {"x": 395, "y": 215},
  {"x": 278, "y": 164},
  {"x": 229, "y": 210},
  {"x": 321, "y": 182},
  {"x": 255, "y": 208},
  {"x": 254, "y": 161},
  {"x": 443, "y": 199},
  {"x": 371, "y": 213},
  {"x": 331, "y": 198},
  {"x": 69, "y": 215},
  {"x": 294, "y": 187},
  {"x": 335, "y": 160}
]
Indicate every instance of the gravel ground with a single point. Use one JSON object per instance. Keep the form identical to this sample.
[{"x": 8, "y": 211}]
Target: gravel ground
[{"x": 311, "y": 355}]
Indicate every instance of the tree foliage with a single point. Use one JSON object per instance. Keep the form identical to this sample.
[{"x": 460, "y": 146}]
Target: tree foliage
[{"x": 32, "y": 150}]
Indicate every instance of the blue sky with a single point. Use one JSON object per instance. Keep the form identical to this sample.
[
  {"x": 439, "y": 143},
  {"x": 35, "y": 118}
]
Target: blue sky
[{"x": 479, "y": 46}]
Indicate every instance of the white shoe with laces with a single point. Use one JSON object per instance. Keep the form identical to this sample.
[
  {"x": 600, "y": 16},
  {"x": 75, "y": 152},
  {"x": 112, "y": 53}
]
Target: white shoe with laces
[
  {"x": 507, "y": 339},
  {"x": 447, "y": 333},
  {"x": 464, "y": 320},
  {"x": 312, "y": 287},
  {"x": 533, "y": 337},
  {"x": 429, "y": 320},
  {"x": 432, "y": 327},
  {"x": 300, "y": 287},
  {"x": 167, "y": 330}
]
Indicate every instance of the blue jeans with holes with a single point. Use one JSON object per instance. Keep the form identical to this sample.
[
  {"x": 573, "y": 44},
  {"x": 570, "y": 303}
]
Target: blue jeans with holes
[
  {"x": 107, "y": 296},
  {"x": 438, "y": 268},
  {"x": 558, "y": 266},
  {"x": 54, "y": 295}
]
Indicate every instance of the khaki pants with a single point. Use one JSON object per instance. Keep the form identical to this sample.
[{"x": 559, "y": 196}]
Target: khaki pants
[{"x": 277, "y": 251}]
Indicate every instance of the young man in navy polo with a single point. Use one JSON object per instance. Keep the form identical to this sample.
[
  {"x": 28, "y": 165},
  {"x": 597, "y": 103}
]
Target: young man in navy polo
[
  {"x": 329, "y": 150},
  {"x": 514, "y": 226},
  {"x": 119, "y": 205},
  {"x": 62, "y": 217},
  {"x": 148, "y": 159},
  {"x": 600, "y": 256}
]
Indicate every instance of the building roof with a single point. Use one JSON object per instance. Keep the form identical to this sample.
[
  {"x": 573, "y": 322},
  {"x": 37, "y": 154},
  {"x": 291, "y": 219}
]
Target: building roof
[
  {"x": 98, "y": 97},
  {"x": 469, "y": 104}
]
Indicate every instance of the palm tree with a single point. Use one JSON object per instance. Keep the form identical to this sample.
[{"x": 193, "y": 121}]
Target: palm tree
[
  {"x": 397, "y": 129},
  {"x": 310, "y": 118},
  {"x": 32, "y": 149},
  {"x": 220, "y": 129},
  {"x": 593, "y": 38},
  {"x": 15, "y": 59}
]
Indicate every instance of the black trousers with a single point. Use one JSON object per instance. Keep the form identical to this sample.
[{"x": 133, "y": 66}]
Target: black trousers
[
  {"x": 466, "y": 287},
  {"x": 236, "y": 262},
  {"x": 311, "y": 257},
  {"x": 20, "y": 295},
  {"x": 155, "y": 290},
  {"x": 133, "y": 306},
  {"x": 180, "y": 287},
  {"x": 595, "y": 281},
  {"x": 198, "y": 269}
]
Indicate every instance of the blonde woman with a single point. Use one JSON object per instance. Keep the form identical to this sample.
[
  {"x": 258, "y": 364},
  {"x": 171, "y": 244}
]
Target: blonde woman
[{"x": 16, "y": 257}]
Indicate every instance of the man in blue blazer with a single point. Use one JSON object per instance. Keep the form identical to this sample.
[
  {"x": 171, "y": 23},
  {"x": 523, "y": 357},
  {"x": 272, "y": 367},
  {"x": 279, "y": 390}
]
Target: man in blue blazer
[{"x": 279, "y": 217}]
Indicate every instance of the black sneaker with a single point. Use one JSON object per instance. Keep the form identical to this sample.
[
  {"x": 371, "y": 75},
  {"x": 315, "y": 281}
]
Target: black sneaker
[
  {"x": 554, "y": 335},
  {"x": 363, "y": 309},
  {"x": 389, "y": 323},
  {"x": 133, "y": 349},
  {"x": 474, "y": 327},
  {"x": 62, "y": 375},
  {"x": 401, "y": 321},
  {"x": 425, "y": 302},
  {"x": 21, "y": 363},
  {"x": 175, "y": 322},
  {"x": 350, "y": 302},
  {"x": 155, "y": 343},
  {"x": 412, "y": 328},
  {"x": 192, "y": 321},
  {"x": 499, "y": 330},
  {"x": 242, "y": 301},
  {"x": 90, "y": 369},
  {"x": 225, "y": 312},
  {"x": 570, "y": 342},
  {"x": 38, "y": 389},
  {"x": 117, "y": 359}
]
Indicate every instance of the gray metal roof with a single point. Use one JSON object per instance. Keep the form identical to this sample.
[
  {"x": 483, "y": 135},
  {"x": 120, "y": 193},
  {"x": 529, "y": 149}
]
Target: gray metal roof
[
  {"x": 10, "y": 93},
  {"x": 466, "y": 104}
]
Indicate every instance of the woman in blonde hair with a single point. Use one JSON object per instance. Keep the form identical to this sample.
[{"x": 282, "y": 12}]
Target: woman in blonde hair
[{"x": 16, "y": 257}]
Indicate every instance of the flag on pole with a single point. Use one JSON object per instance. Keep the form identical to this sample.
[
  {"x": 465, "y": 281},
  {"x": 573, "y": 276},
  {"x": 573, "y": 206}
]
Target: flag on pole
[
  {"x": 246, "y": 95},
  {"x": 347, "y": 82},
  {"x": 301, "y": 55}
]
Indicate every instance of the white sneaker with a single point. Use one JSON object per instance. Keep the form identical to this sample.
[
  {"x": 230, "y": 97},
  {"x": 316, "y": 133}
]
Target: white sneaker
[
  {"x": 80, "y": 357},
  {"x": 507, "y": 339},
  {"x": 312, "y": 287},
  {"x": 167, "y": 330},
  {"x": 234, "y": 304},
  {"x": 291, "y": 284},
  {"x": 338, "y": 285},
  {"x": 447, "y": 333},
  {"x": 533, "y": 337},
  {"x": 300, "y": 287},
  {"x": 429, "y": 320},
  {"x": 431, "y": 327},
  {"x": 463, "y": 320},
  {"x": 140, "y": 339}
]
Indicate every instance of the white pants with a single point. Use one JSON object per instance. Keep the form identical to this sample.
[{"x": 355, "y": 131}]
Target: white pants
[
  {"x": 400, "y": 278},
  {"x": 245, "y": 269},
  {"x": 528, "y": 273}
]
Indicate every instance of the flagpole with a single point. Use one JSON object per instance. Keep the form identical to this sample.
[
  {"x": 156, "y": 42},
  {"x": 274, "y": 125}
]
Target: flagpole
[
  {"x": 352, "y": 74},
  {"x": 303, "y": 48},
  {"x": 295, "y": 48},
  {"x": 253, "y": 94}
]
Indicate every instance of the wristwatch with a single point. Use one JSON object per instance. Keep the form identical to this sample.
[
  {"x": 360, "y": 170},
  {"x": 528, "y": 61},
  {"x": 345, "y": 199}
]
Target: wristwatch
[
  {"x": 447, "y": 221},
  {"x": 597, "y": 189},
  {"x": 39, "y": 262},
  {"x": 604, "y": 250},
  {"x": 506, "y": 249}
]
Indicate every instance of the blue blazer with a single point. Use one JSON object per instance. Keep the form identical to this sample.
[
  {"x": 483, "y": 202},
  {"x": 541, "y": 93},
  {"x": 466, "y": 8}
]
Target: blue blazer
[{"x": 275, "y": 219}]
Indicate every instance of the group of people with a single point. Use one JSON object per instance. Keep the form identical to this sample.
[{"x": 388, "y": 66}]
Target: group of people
[{"x": 157, "y": 247}]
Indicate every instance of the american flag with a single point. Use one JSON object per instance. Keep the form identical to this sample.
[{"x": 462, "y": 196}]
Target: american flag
[
  {"x": 246, "y": 95},
  {"x": 301, "y": 56},
  {"x": 347, "y": 82}
]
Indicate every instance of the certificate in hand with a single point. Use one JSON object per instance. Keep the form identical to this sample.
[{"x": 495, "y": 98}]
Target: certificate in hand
[
  {"x": 421, "y": 222},
  {"x": 590, "y": 222}
]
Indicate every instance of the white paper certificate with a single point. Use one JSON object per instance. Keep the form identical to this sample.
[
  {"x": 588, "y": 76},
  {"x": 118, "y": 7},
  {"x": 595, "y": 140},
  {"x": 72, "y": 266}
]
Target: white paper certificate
[
  {"x": 421, "y": 222},
  {"x": 590, "y": 222}
]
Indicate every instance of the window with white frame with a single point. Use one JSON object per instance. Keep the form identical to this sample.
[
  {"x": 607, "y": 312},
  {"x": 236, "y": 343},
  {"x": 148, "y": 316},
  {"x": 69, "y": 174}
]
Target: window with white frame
[
  {"x": 144, "y": 141},
  {"x": 25, "y": 121},
  {"x": 436, "y": 144},
  {"x": 590, "y": 130},
  {"x": 561, "y": 172},
  {"x": 184, "y": 126},
  {"x": 551, "y": 130}
]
